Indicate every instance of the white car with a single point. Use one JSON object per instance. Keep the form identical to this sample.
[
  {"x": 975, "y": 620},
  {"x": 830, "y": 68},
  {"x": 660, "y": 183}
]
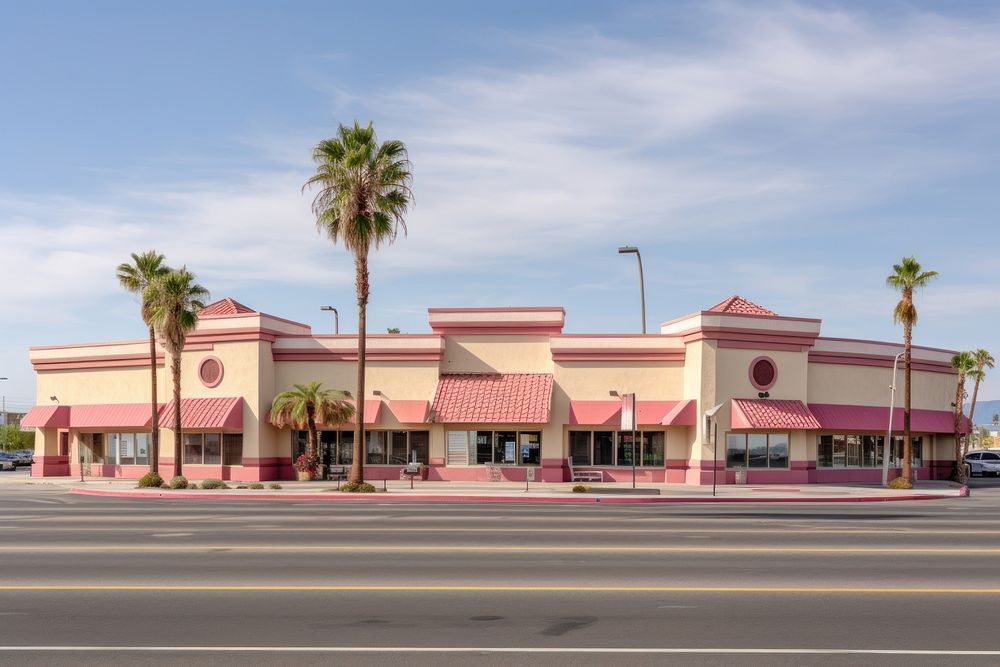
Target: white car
[{"x": 983, "y": 463}]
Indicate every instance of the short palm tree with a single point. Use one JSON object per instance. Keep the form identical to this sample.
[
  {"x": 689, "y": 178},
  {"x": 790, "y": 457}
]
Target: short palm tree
[
  {"x": 983, "y": 361},
  {"x": 364, "y": 191},
  {"x": 964, "y": 364},
  {"x": 303, "y": 406},
  {"x": 175, "y": 300},
  {"x": 135, "y": 278},
  {"x": 907, "y": 276}
]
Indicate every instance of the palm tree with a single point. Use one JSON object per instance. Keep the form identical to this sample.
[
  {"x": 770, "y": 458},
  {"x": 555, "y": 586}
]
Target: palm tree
[
  {"x": 964, "y": 363},
  {"x": 907, "y": 276},
  {"x": 996, "y": 419},
  {"x": 983, "y": 361},
  {"x": 364, "y": 191},
  {"x": 303, "y": 406},
  {"x": 135, "y": 278},
  {"x": 175, "y": 300}
]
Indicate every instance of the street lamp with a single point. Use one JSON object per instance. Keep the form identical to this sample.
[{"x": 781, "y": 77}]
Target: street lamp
[
  {"x": 336, "y": 318},
  {"x": 3, "y": 409},
  {"x": 887, "y": 447},
  {"x": 629, "y": 250}
]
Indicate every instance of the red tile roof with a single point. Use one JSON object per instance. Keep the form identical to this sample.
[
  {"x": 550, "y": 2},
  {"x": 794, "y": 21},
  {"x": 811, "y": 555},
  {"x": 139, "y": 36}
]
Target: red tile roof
[
  {"x": 205, "y": 413},
  {"x": 493, "y": 398},
  {"x": 737, "y": 304},
  {"x": 771, "y": 413},
  {"x": 225, "y": 306}
]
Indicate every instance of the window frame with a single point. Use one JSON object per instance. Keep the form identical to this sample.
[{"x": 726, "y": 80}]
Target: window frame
[
  {"x": 645, "y": 440},
  {"x": 767, "y": 451}
]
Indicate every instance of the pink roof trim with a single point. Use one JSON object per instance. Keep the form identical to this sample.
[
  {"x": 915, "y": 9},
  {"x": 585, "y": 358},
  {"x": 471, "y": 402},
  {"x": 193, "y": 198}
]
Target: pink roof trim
[
  {"x": 410, "y": 412},
  {"x": 373, "y": 408},
  {"x": 493, "y": 398},
  {"x": 876, "y": 418},
  {"x": 46, "y": 416},
  {"x": 111, "y": 415},
  {"x": 771, "y": 413},
  {"x": 205, "y": 413},
  {"x": 225, "y": 306},
  {"x": 737, "y": 304},
  {"x": 684, "y": 413}
]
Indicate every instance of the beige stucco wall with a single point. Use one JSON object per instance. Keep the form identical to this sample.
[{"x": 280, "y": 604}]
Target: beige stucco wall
[
  {"x": 868, "y": 385},
  {"x": 496, "y": 354}
]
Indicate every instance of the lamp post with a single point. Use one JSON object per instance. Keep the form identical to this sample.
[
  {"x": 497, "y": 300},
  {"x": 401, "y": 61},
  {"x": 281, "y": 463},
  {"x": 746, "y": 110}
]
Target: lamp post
[
  {"x": 336, "y": 318},
  {"x": 887, "y": 447},
  {"x": 3, "y": 408},
  {"x": 629, "y": 250}
]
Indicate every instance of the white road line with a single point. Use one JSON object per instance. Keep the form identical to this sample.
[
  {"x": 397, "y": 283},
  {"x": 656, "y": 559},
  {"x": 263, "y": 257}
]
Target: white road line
[{"x": 501, "y": 649}]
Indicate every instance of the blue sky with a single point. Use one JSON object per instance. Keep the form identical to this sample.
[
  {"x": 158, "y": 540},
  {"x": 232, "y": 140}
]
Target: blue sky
[{"x": 789, "y": 152}]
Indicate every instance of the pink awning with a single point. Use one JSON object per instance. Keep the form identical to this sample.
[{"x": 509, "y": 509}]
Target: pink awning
[
  {"x": 46, "y": 416},
  {"x": 372, "y": 410},
  {"x": 111, "y": 415},
  {"x": 205, "y": 413},
  {"x": 771, "y": 413},
  {"x": 876, "y": 418},
  {"x": 493, "y": 398},
  {"x": 608, "y": 413},
  {"x": 684, "y": 413},
  {"x": 410, "y": 412}
]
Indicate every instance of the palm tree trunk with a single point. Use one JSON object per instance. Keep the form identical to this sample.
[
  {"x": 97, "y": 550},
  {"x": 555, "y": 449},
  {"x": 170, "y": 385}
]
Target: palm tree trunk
[
  {"x": 972, "y": 408},
  {"x": 175, "y": 367},
  {"x": 957, "y": 413},
  {"x": 311, "y": 426},
  {"x": 358, "y": 464},
  {"x": 907, "y": 444},
  {"x": 154, "y": 444}
]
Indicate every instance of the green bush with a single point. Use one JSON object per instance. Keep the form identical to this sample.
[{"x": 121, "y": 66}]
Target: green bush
[
  {"x": 274, "y": 485},
  {"x": 900, "y": 483},
  {"x": 214, "y": 484},
  {"x": 179, "y": 482},
  {"x": 357, "y": 487},
  {"x": 581, "y": 488},
  {"x": 241, "y": 486},
  {"x": 151, "y": 480},
  {"x": 256, "y": 485}
]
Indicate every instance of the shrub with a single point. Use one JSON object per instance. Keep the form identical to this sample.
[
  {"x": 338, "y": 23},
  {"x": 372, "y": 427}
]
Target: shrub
[
  {"x": 581, "y": 488},
  {"x": 357, "y": 487},
  {"x": 214, "y": 484},
  {"x": 256, "y": 485},
  {"x": 274, "y": 485},
  {"x": 179, "y": 482},
  {"x": 151, "y": 480},
  {"x": 241, "y": 486},
  {"x": 900, "y": 483}
]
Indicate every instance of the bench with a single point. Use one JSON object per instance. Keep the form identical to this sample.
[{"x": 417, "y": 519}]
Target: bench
[
  {"x": 576, "y": 475},
  {"x": 338, "y": 473}
]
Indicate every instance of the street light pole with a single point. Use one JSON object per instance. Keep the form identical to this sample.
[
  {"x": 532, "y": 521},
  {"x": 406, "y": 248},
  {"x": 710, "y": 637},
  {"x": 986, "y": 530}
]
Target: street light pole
[
  {"x": 336, "y": 318},
  {"x": 887, "y": 447},
  {"x": 3, "y": 403},
  {"x": 629, "y": 250}
]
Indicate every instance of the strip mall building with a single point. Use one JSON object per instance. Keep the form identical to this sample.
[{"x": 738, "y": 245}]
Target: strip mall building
[{"x": 504, "y": 392}]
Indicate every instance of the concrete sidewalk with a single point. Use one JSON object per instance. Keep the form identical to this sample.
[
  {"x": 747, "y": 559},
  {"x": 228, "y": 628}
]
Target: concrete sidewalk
[{"x": 608, "y": 492}]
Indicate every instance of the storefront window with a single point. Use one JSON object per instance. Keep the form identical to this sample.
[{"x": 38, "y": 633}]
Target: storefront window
[
  {"x": 757, "y": 450},
  {"x": 530, "y": 446},
  {"x": 232, "y": 449},
  {"x": 863, "y": 451},
  {"x": 193, "y": 447},
  {"x": 579, "y": 447},
  {"x": 653, "y": 449},
  {"x": 505, "y": 447},
  {"x": 213, "y": 449},
  {"x": 736, "y": 450},
  {"x": 625, "y": 448},
  {"x": 375, "y": 447},
  {"x": 604, "y": 448}
]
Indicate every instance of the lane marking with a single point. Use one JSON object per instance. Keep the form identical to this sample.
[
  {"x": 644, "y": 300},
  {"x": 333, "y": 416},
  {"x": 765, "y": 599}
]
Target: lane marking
[
  {"x": 171, "y": 534},
  {"x": 525, "y": 549},
  {"x": 407, "y": 529},
  {"x": 506, "y": 649},
  {"x": 318, "y": 588}
]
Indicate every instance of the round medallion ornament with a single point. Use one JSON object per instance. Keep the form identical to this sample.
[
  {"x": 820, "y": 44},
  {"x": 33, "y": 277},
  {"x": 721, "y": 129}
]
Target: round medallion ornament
[
  {"x": 210, "y": 371},
  {"x": 763, "y": 373}
]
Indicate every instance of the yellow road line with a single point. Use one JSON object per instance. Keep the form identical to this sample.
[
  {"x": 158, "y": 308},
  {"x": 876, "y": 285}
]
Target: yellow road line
[
  {"x": 502, "y": 589},
  {"x": 527, "y": 548}
]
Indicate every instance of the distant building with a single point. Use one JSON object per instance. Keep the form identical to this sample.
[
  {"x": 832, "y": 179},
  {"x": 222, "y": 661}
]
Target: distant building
[{"x": 8, "y": 417}]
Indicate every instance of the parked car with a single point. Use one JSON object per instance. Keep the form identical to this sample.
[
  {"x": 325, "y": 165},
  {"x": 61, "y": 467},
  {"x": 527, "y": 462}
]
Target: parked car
[
  {"x": 983, "y": 463},
  {"x": 7, "y": 462},
  {"x": 23, "y": 457}
]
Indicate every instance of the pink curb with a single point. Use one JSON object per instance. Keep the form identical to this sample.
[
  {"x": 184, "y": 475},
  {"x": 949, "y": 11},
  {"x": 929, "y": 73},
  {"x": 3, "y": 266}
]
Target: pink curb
[{"x": 579, "y": 499}]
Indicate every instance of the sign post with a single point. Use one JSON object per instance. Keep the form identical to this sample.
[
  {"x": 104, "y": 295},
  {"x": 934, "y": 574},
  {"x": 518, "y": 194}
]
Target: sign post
[{"x": 628, "y": 424}]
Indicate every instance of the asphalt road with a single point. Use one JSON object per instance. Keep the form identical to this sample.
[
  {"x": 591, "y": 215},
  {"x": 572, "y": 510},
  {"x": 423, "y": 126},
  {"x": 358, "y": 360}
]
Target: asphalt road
[{"x": 183, "y": 582}]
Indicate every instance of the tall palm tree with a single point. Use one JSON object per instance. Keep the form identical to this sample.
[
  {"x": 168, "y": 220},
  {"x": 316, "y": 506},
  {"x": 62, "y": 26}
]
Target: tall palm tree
[
  {"x": 905, "y": 277},
  {"x": 135, "y": 278},
  {"x": 963, "y": 363},
  {"x": 307, "y": 404},
  {"x": 175, "y": 300},
  {"x": 364, "y": 191},
  {"x": 983, "y": 361}
]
